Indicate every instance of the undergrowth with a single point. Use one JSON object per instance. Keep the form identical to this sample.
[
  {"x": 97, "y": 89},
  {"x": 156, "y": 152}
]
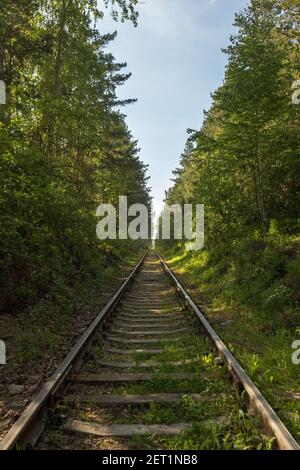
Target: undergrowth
[{"x": 250, "y": 293}]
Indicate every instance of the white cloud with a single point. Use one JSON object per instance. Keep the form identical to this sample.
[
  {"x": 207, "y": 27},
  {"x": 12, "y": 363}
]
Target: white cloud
[
  {"x": 171, "y": 19},
  {"x": 156, "y": 18}
]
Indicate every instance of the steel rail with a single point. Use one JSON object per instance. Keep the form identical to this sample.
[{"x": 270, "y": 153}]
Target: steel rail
[
  {"x": 29, "y": 426},
  {"x": 255, "y": 400}
]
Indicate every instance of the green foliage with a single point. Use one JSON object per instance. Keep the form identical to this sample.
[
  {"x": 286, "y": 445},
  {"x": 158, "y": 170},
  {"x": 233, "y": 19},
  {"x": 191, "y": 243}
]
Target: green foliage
[
  {"x": 276, "y": 299},
  {"x": 244, "y": 164},
  {"x": 35, "y": 345},
  {"x": 127, "y": 8},
  {"x": 255, "y": 285},
  {"x": 64, "y": 147},
  {"x": 293, "y": 277},
  {"x": 239, "y": 433}
]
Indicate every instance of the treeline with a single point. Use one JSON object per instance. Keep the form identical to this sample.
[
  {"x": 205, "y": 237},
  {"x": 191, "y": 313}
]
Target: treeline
[
  {"x": 244, "y": 163},
  {"x": 64, "y": 144}
]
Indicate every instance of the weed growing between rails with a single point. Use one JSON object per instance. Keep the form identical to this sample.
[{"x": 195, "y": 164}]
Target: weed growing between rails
[
  {"x": 220, "y": 422},
  {"x": 95, "y": 403}
]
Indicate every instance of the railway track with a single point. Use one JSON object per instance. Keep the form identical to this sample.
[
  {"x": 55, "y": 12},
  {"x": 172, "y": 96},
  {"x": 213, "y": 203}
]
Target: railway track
[{"x": 149, "y": 372}]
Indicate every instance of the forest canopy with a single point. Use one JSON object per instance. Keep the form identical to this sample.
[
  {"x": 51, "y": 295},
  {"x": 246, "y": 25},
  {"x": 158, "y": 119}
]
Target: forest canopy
[
  {"x": 244, "y": 163},
  {"x": 64, "y": 144}
]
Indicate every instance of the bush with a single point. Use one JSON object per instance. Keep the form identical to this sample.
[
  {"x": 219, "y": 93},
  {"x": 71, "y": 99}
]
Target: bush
[{"x": 277, "y": 298}]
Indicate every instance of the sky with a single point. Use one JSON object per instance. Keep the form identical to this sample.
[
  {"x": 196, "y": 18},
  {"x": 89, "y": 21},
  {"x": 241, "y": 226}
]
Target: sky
[{"x": 175, "y": 57}]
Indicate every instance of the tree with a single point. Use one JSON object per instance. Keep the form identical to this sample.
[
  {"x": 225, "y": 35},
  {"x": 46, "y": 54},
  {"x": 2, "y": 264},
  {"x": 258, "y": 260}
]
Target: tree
[
  {"x": 64, "y": 145},
  {"x": 244, "y": 162}
]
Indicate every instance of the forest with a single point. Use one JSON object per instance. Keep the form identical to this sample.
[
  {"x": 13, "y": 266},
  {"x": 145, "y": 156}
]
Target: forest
[
  {"x": 244, "y": 166},
  {"x": 66, "y": 148},
  {"x": 64, "y": 143},
  {"x": 244, "y": 162}
]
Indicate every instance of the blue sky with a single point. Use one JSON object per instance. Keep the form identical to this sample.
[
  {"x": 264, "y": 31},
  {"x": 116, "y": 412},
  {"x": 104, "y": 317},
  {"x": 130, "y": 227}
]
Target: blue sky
[{"x": 176, "y": 62}]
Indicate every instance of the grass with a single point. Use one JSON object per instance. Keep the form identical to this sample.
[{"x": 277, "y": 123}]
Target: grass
[
  {"x": 217, "y": 419},
  {"x": 43, "y": 328},
  {"x": 255, "y": 285},
  {"x": 261, "y": 346},
  {"x": 240, "y": 433}
]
